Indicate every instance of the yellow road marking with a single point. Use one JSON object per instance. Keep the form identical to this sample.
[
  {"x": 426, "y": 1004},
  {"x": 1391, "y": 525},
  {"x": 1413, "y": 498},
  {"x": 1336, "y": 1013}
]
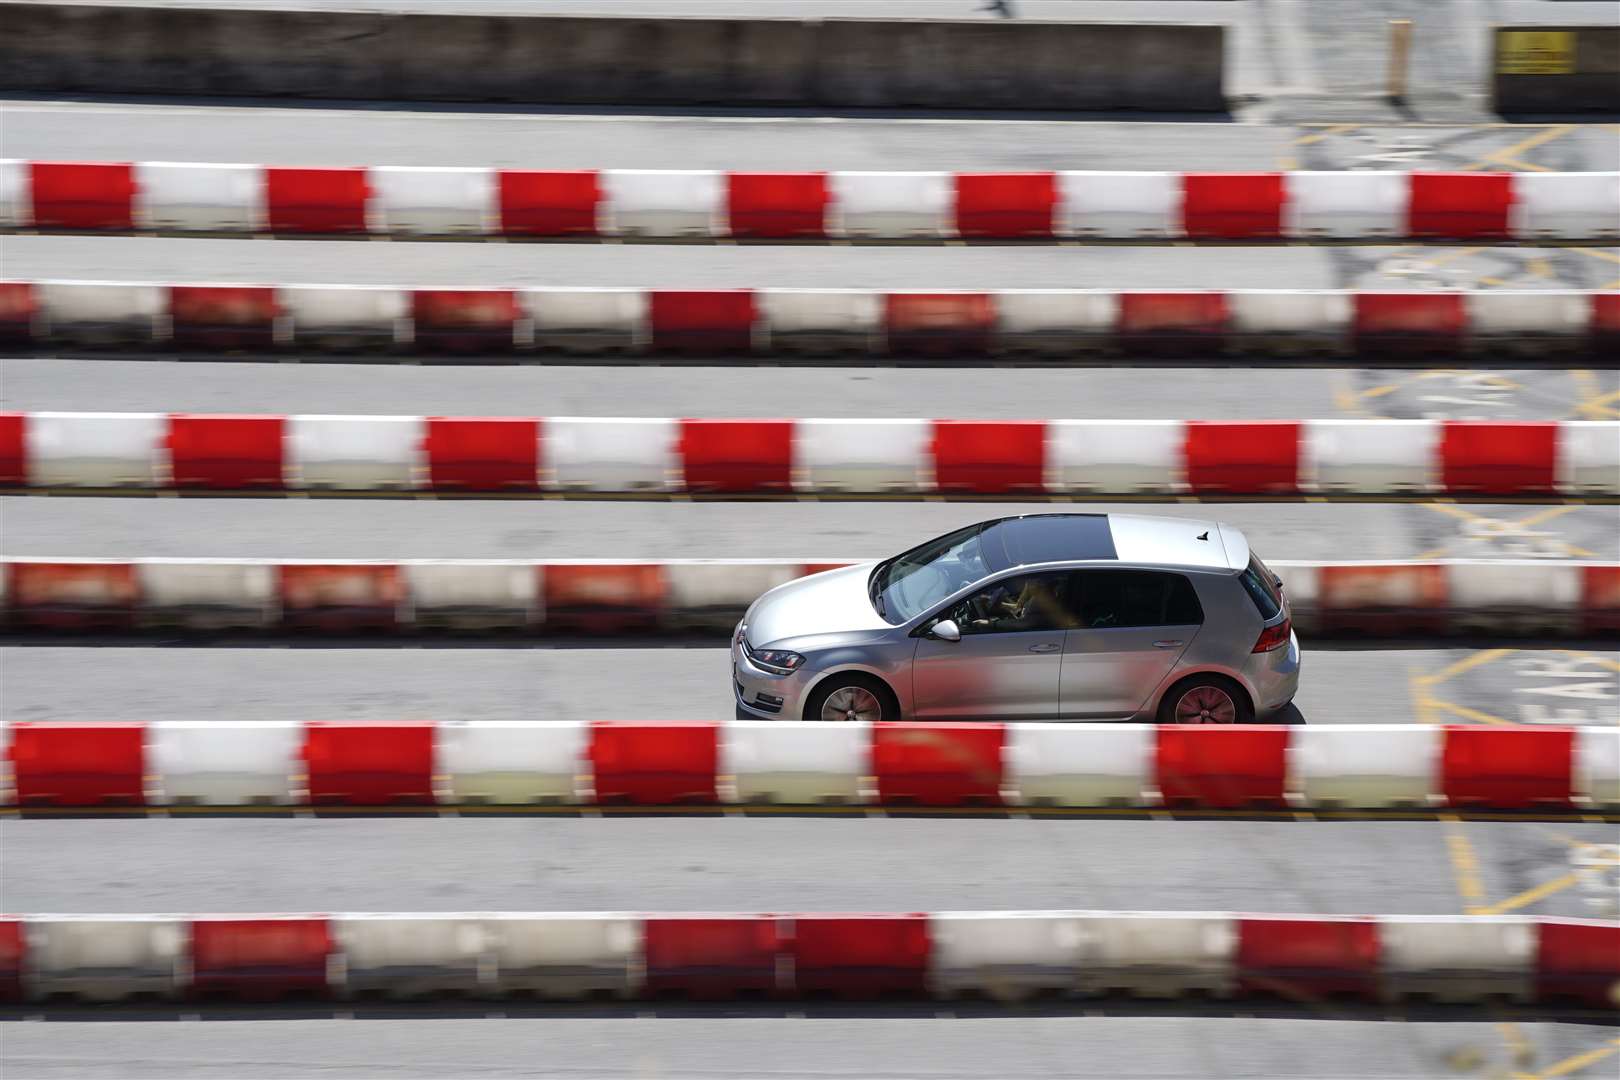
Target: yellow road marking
[
  {"x": 1598, "y": 403},
  {"x": 1380, "y": 391},
  {"x": 1520, "y": 1049},
  {"x": 1464, "y": 865},
  {"x": 1469, "y": 714},
  {"x": 1316, "y": 137},
  {"x": 1288, "y": 163},
  {"x": 1530, "y": 896},
  {"x": 1545, "y": 515},
  {"x": 1493, "y": 282},
  {"x": 1432, "y": 553},
  {"x": 1610, "y": 286},
  {"x": 1510, "y": 155},
  {"x": 1467, "y": 663},
  {"x": 1580, "y": 552},
  {"x": 1538, "y": 267},
  {"x": 1454, "y": 510},
  {"x": 1597, "y": 658},
  {"x": 1579, "y": 1061},
  {"x": 1450, "y": 256},
  {"x": 1598, "y": 253}
]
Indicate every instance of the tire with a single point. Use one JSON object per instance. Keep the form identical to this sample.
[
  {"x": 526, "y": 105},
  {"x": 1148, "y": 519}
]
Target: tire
[
  {"x": 1206, "y": 699},
  {"x": 868, "y": 699}
]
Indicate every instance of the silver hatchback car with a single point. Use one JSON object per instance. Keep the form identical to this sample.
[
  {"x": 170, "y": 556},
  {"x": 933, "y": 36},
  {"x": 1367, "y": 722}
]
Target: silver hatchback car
[{"x": 1037, "y": 617}]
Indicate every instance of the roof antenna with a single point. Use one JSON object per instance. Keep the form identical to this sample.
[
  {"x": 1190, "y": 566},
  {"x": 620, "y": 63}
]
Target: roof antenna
[{"x": 1204, "y": 535}]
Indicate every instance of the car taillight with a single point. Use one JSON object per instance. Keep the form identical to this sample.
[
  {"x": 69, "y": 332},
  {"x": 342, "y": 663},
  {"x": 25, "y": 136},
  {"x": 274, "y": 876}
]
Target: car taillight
[{"x": 1274, "y": 637}]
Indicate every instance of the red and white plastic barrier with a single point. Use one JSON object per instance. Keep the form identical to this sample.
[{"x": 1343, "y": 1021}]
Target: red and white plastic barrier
[
  {"x": 1401, "y": 599},
  {"x": 1005, "y": 955},
  {"x": 201, "y": 197},
  {"x": 996, "y": 457},
  {"x": 329, "y": 764},
  {"x": 1034, "y": 322}
]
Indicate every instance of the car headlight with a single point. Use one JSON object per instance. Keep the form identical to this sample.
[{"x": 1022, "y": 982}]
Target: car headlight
[{"x": 776, "y": 661}]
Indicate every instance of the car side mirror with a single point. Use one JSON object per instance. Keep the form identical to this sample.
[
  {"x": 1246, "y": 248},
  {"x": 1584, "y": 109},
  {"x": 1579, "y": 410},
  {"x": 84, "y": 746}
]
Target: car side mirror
[{"x": 945, "y": 630}]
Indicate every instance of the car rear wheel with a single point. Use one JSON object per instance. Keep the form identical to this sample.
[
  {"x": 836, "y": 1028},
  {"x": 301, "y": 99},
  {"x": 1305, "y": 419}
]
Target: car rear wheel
[
  {"x": 1206, "y": 699},
  {"x": 851, "y": 698}
]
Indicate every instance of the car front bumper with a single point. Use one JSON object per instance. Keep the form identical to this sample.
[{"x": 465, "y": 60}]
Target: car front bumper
[{"x": 761, "y": 694}]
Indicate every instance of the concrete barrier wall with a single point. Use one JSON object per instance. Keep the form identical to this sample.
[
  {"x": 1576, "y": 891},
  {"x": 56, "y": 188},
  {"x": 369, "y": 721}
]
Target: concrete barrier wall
[
  {"x": 1556, "y": 69},
  {"x": 828, "y": 63}
]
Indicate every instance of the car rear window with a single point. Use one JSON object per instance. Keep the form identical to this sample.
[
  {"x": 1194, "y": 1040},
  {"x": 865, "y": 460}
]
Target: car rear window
[
  {"x": 1261, "y": 585},
  {"x": 1117, "y": 598}
]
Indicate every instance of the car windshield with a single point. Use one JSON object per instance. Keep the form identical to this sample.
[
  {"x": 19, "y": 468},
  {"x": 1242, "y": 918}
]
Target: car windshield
[{"x": 907, "y": 585}]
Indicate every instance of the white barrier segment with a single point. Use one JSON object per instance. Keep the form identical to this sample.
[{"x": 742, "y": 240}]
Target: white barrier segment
[
  {"x": 1364, "y": 765},
  {"x": 1504, "y": 315},
  {"x": 704, "y": 593},
  {"x": 224, "y": 762},
  {"x": 511, "y": 762},
  {"x": 95, "y": 449},
  {"x": 1452, "y": 958},
  {"x": 1293, "y": 317},
  {"x": 1115, "y": 455},
  {"x": 433, "y": 201},
  {"x": 648, "y": 202},
  {"x": 592, "y": 454},
  {"x": 1158, "y": 955},
  {"x": 345, "y": 313},
  {"x": 1350, "y": 204},
  {"x": 891, "y": 204},
  {"x": 1597, "y": 765},
  {"x": 1004, "y": 955},
  {"x": 1582, "y": 206},
  {"x": 1524, "y": 595},
  {"x": 587, "y": 320},
  {"x": 474, "y": 594},
  {"x": 1124, "y": 204},
  {"x": 193, "y": 197},
  {"x": 1370, "y": 455},
  {"x": 16, "y": 201},
  {"x": 796, "y": 761},
  {"x": 208, "y": 594},
  {"x": 1080, "y": 764},
  {"x": 1055, "y": 319},
  {"x": 822, "y": 320},
  {"x": 102, "y": 311},
  {"x": 1588, "y": 460},
  {"x": 410, "y": 955},
  {"x": 567, "y": 955},
  {"x": 862, "y": 455},
  {"x": 361, "y": 452},
  {"x": 103, "y": 958}
]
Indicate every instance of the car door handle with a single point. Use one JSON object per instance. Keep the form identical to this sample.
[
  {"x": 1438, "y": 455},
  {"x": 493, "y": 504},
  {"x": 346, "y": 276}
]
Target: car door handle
[
  {"x": 1043, "y": 648},
  {"x": 1168, "y": 644}
]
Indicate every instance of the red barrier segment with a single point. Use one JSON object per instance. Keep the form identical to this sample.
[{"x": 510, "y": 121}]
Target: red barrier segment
[
  {"x": 603, "y": 598},
  {"x": 1409, "y": 321},
  {"x": 1005, "y": 205},
  {"x": 316, "y": 200},
  {"x": 1304, "y": 959},
  {"x": 989, "y": 457},
  {"x": 1251, "y": 458},
  {"x": 938, "y": 764},
  {"x": 540, "y": 203},
  {"x": 369, "y": 764},
  {"x": 482, "y": 453},
  {"x": 224, "y": 316},
  {"x": 224, "y": 451},
  {"x": 1222, "y": 765},
  {"x": 1604, "y": 324},
  {"x": 13, "y": 955},
  {"x": 655, "y": 764},
  {"x": 713, "y": 957},
  {"x": 14, "y": 448},
  {"x": 259, "y": 959},
  {"x": 1233, "y": 206},
  {"x": 464, "y": 320},
  {"x": 82, "y": 195},
  {"x": 341, "y": 596},
  {"x": 1578, "y": 961},
  {"x": 702, "y": 322},
  {"x": 1600, "y": 599},
  {"x": 1499, "y": 457},
  {"x": 1398, "y": 600},
  {"x": 1507, "y": 767},
  {"x": 861, "y": 955},
  {"x": 64, "y": 765},
  {"x": 1459, "y": 205},
  {"x": 18, "y": 306},
  {"x": 939, "y": 324},
  {"x": 73, "y": 596},
  {"x": 736, "y": 455},
  {"x": 777, "y": 205},
  {"x": 1151, "y": 322}
]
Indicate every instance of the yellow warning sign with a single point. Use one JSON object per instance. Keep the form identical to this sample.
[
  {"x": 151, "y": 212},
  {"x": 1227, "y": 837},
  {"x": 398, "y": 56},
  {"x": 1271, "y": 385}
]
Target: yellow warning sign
[{"x": 1535, "y": 52}]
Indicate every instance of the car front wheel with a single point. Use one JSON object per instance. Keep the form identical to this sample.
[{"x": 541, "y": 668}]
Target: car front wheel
[{"x": 852, "y": 697}]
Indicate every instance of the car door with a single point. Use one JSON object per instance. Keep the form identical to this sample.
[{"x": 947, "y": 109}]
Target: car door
[
  {"x": 1006, "y": 665},
  {"x": 1133, "y": 625}
]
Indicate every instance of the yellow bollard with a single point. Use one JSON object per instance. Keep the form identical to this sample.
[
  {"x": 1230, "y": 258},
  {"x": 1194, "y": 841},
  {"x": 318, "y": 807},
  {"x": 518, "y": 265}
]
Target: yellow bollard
[{"x": 1400, "y": 47}]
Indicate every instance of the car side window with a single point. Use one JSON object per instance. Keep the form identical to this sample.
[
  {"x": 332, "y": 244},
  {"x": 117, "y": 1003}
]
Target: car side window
[
  {"x": 1109, "y": 599},
  {"x": 1018, "y": 604}
]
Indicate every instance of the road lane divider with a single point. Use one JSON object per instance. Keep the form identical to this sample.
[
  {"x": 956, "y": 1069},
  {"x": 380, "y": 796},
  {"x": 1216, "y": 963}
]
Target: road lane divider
[
  {"x": 338, "y": 765},
  {"x": 212, "y": 452},
  {"x": 1034, "y": 323},
  {"x": 659, "y": 204},
  {"x": 1003, "y": 955}
]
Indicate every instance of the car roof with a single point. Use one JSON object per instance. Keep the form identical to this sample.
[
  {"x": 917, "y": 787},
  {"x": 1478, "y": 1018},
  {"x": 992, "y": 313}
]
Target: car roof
[{"x": 1125, "y": 538}]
